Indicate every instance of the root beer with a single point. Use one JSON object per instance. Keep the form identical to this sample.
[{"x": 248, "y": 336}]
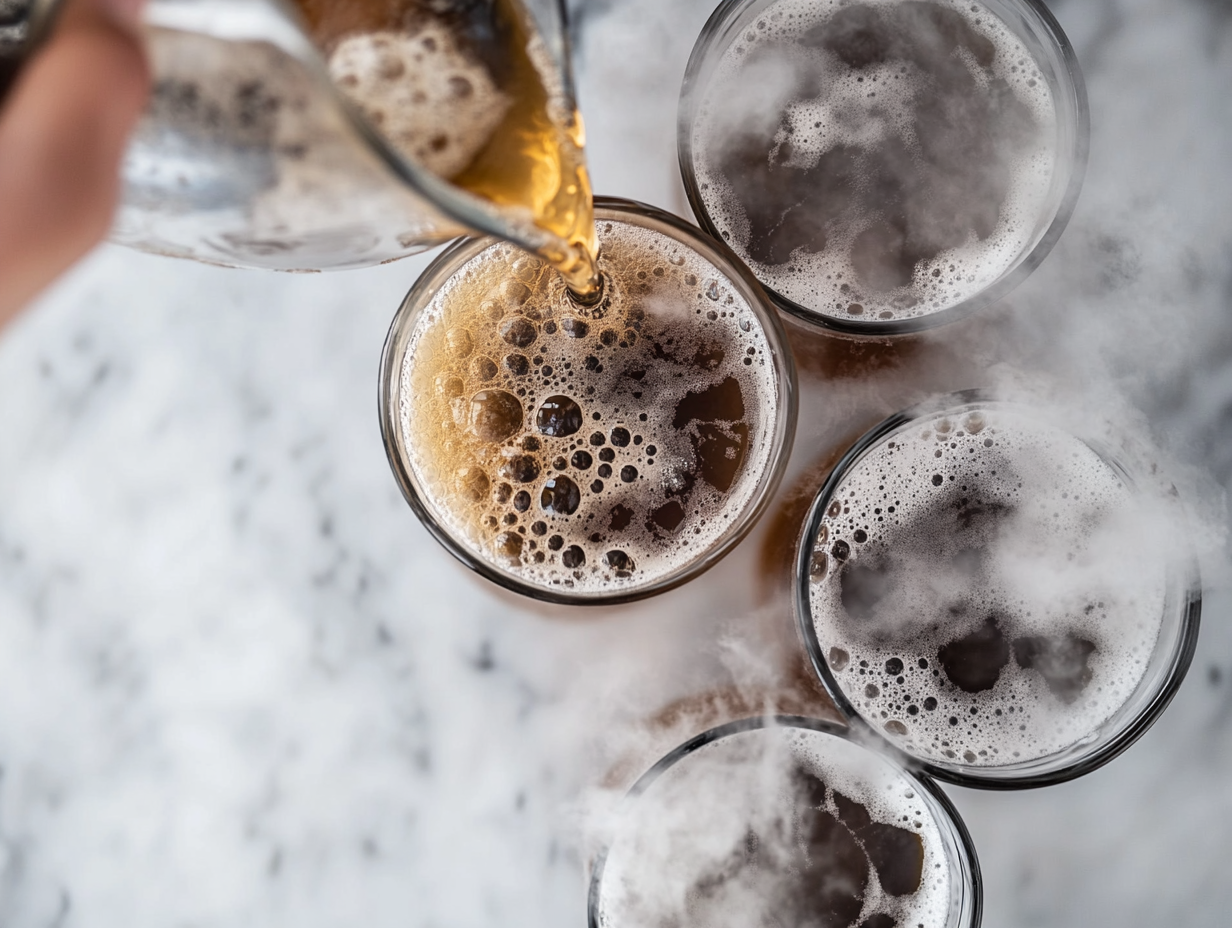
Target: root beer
[
  {"x": 876, "y": 161},
  {"x": 589, "y": 450}
]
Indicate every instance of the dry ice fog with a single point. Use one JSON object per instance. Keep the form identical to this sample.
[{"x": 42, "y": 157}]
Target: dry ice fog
[
  {"x": 349, "y": 728},
  {"x": 1097, "y": 344}
]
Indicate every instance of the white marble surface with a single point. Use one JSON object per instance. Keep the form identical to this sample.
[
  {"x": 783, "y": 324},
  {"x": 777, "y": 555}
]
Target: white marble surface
[{"x": 240, "y": 685}]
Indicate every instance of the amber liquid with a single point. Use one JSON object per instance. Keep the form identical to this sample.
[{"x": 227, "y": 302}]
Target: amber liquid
[{"x": 534, "y": 161}]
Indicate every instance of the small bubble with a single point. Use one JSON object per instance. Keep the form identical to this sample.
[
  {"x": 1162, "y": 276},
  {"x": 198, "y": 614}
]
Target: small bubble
[
  {"x": 539, "y": 528},
  {"x": 472, "y": 483},
  {"x": 460, "y": 342},
  {"x": 515, "y": 292},
  {"x": 582, "y": 460},
  {"x": 449, "y": 386},
  {"x": 508, "y": 547},
  {"x": 558, "y": 417},
  {"x": 517, "y": 364},
  {"x": 522, "y": 469},
  {"x": 519, "y": 332},
  {"x": 597, "y": 440},
  {"x": 894, "y": 667},
  {"x": 628, "y": 473},
  {"x": 560, "y": 496},
  {"x": 483, "y": 369},
  {"x": 620, "y": 562},
  {"x": 573, "y": 557},
  {"x": 596, "y": 486},
  {"x": 574, "y": 327},
  {"x": 621, "y": 437},
  {"x": 521, "y": 502},
  {"x": 819, "y": 565},
  {"x": 607, "y": 455},
  {"x": 556, "y": 542},
  {"x": 495, "y": 415},
  {"x": 605, "y": 470}
]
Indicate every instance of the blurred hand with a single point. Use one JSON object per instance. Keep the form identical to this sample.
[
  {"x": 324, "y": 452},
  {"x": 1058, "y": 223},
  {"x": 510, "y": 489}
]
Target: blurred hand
[{"x": 63, "y": 130}]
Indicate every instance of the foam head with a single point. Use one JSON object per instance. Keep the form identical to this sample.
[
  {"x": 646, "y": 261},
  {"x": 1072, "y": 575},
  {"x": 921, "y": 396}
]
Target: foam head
[
  {"x": 585, "y": 453},
  {"x": 978, "y": 589},
  {"x": 877, "y": 162},
  {"x": 783, "y": 826}
]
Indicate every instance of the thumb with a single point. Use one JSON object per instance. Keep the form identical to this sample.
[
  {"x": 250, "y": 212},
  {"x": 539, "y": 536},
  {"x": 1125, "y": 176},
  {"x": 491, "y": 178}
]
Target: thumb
[{"x": 62, "y": 133}]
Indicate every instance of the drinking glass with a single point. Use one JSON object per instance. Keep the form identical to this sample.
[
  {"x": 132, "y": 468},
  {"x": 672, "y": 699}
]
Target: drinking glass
[
  {"x": 593, "y": 454},
  {"x": 974, "y": 585},
  {"x": 785, "y": 820},
  {"x": 867, "y": 200}
]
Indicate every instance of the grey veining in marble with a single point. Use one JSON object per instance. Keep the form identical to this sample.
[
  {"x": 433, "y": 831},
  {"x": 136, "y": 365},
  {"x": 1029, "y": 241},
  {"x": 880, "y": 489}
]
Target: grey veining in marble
[{"x": 241, "y": 686}]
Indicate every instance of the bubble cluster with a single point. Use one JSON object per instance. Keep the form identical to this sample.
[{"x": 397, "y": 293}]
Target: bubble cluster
[
  {"x": 590, "y": 449},
  {"x": 423, "y": 91},
  {"x": 981, "y": 590},
  {"x": 782, "y": 827},
  {"x": 904, "y": 162}
]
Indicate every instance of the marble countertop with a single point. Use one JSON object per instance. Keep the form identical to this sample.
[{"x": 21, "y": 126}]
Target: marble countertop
[{"x": 241, "y": 685}]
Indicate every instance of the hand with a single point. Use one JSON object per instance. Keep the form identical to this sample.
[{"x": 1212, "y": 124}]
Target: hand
[{"x": 63, "y": 131}]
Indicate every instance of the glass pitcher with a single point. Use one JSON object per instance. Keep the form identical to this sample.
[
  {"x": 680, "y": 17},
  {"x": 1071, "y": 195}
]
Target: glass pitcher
[{"x": 252, "y": 152}]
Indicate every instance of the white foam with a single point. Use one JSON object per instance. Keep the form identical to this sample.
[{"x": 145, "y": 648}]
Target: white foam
[
  {"x": 681, "y": 305},
  {"x": 690, "y": 819},
  {"x": 1064, "y": 556},
  {"x": 843, "y": 113},
  {"x": 427, "y": 96}
]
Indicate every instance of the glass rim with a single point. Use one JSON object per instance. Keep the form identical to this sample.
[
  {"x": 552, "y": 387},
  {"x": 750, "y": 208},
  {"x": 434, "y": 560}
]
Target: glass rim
[
  {"x": 964, "y": 842},
  {"x": 699, "y": 66},
  {"x": 1183, "y": 598},
  {"x": 783, "y": 431}
]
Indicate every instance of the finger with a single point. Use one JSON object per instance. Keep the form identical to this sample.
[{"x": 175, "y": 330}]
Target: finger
[{"x": 62, "y": 134}]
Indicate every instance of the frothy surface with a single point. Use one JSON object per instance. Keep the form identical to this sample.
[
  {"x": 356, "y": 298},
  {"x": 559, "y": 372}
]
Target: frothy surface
[
  {"x": 880, "y": 160},
  {"x": 777, "y": 827},
  {"x": 427, "y": 95},
  {"x": 590, "y": 450},
  {"x": 981, "y": 590}
]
